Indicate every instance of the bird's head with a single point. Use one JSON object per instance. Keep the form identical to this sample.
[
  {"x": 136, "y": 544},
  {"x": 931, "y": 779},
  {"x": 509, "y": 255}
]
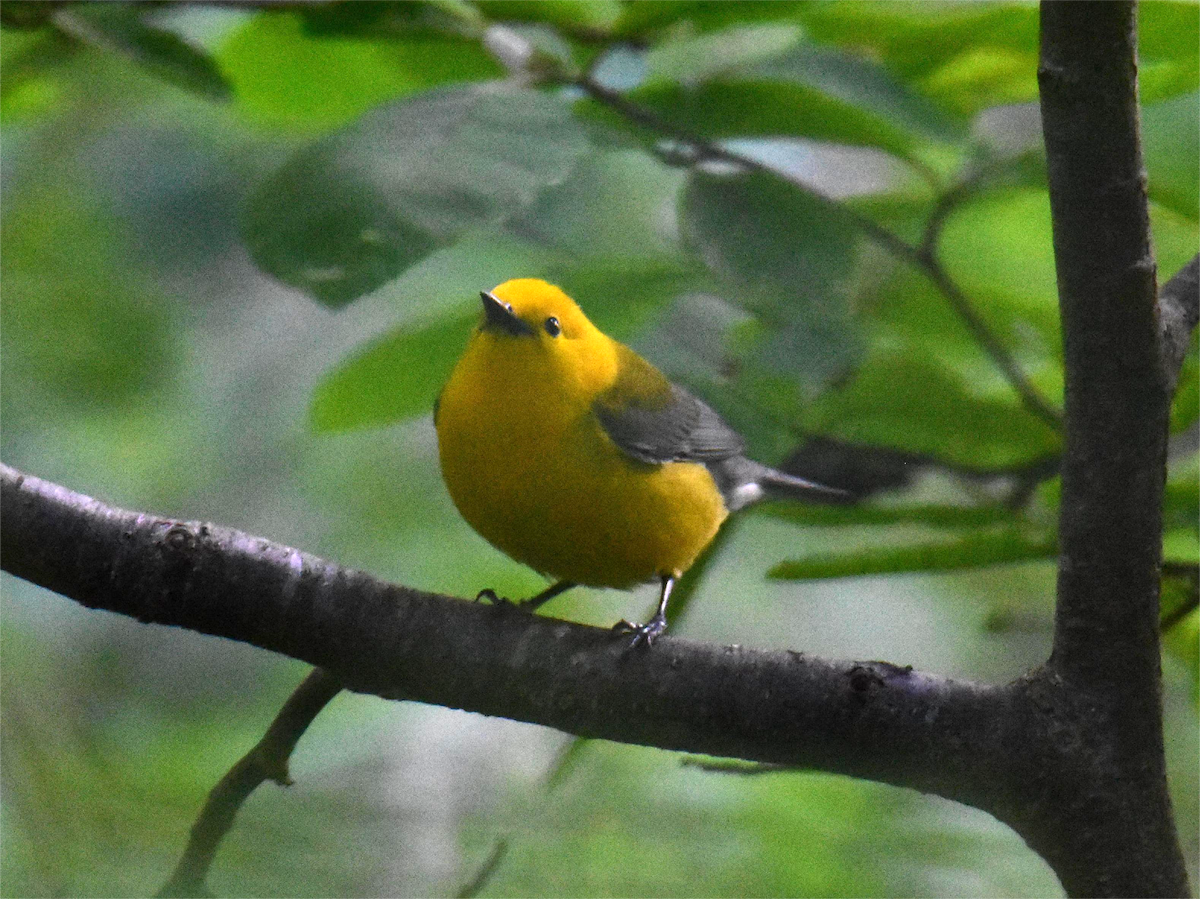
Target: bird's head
[{"x": 533, "y": 327}]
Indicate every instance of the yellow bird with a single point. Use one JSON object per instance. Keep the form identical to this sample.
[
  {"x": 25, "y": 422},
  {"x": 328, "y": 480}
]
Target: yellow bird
[{"x": 574, "y": 455}]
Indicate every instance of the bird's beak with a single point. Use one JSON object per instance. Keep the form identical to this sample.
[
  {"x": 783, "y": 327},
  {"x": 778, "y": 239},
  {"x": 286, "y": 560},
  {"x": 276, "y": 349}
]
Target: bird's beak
[{"x": 500, "y": 317}]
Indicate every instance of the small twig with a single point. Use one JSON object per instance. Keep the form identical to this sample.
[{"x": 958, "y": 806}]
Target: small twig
[
  {"x": 1179, "y": 311},
  {"x": 268, "y": 760},
  {"x": 920, "y": 257}
]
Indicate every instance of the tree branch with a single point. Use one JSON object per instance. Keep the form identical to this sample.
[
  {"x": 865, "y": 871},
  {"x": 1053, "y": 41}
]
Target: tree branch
[
  {"x": 1106, "y": 641},
  {"x": 868, "y": 719},
  {"x": 1179, "y": 311},
  {"x": 268, "y": 760}
]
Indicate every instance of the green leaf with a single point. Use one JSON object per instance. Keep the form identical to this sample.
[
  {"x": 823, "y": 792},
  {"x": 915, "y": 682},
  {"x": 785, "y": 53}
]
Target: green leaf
[
  {"x": 906, "y": 399},
  {"x": 931, "y": 515},
  {"x": 801, "y": 91},
  {"x": 82, "y": 326},
  {"x": 999, "y": 248},
  {"x": 388, "y": 20},
  {"x": 787, "y": 256},
  {"x": 966, "y": 56},
  {"x": 353, "y": 210},
  {"x": 287, "y": 74},
  {"x": 587, "y": 15},
  {"x": 972, "y": 551},
  {"x": 723, "y": 109},
  {"x": 394, "y": 378},
  {"x": 1172, "y": 147},
  {"x": 700, "y": 58},
  {"x": 862, "y": 83},
  {"x": 31, "y": 74},
  {"x": 613, "y": 204},
  {"x": 648, "y": 18},
  {"x": 120, "y": 29},
  {"x": 1168, "y": 64}
]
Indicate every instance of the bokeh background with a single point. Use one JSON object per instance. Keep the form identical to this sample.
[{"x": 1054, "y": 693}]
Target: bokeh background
[{"x": 241, "y": 248}]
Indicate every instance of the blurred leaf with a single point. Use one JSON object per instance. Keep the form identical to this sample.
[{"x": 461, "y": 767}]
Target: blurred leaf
[
  {"x": 998, "y": 247},
  {"x": 907, "y": 400},
  {"x": 286, "y": 73},
  {"x": 119, "y": 28},
  {"x": 786, "y": 251},
  {"x": 394, "y": 378},
  {"x": 648, "y": 18},
  {"x": 1172, "y": 146},
  {"x": 352, "y": 211},
  {"x": 936, "y": 516},
  {"x": 801, "y": 91},
  {"x": 79, "y": 325},
  {"x": 863, "y": 83},
  {"x": 971, "y": 551},
  {"x": 615, "y": 204},
  {"x": 967, "y": 56},
  {"x": 694, "y": 59},
  {"x": 1168, "y": 64},
  {"x": 619, "y": 297},
  {"x": 720, "y": 109},
  {"x": 30, "y": 81},
  {"x": 760, "y": 231},
  {"x": 589, "y": 15},
  {"x": 372, "y": 20}
]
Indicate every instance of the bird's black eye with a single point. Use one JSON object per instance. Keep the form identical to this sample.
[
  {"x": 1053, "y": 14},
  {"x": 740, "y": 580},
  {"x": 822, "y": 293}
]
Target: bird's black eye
[
  {"x": 553, "y": 328},
  {"x": 509, "y": 307}
]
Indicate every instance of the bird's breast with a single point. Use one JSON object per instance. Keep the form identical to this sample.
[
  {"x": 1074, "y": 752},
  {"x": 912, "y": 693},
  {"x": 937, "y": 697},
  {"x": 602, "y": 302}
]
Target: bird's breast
[{"x": 534, "y": 473}]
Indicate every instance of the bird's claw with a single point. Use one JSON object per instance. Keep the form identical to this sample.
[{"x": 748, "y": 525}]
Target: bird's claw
[
  {"x": 642, "y": 633},
  {"x": 490, "y": 595}
]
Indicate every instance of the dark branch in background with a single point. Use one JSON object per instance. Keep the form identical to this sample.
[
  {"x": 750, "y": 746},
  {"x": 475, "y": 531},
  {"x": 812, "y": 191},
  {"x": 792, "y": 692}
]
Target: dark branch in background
[
  {"x": 923, "y": 258},
  {"x": 865, "y": 469},
  {"x": 1179, "y": 311},
  {"x": 268, "y": 760}
]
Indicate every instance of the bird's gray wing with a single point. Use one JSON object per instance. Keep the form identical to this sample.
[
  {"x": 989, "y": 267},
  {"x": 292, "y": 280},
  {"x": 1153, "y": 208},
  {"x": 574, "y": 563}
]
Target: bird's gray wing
[{"x": 655, "y": 421}]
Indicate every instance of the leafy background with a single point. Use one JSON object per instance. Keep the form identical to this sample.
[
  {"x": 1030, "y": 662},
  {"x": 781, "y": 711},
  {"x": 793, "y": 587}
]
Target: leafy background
[{"x": 241, "y": 250}]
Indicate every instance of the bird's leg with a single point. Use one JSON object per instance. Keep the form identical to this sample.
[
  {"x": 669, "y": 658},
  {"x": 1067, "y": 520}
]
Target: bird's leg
[
  {"x": 536, "y": 602},
  {"x": 647, "y": 633}
]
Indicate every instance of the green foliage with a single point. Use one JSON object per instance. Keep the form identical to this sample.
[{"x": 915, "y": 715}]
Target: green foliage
[
  {"x": 357, "y": 208},
  {"x": 766, "y": 83},
  {"x": 976, "y": 550},
  {"x": 79, "y": 328},
  {"x": 351, "y": 398},
  {"x": 122, "y": 29},
  {"x": 379, "y": 160},
  {"x": 286, "y": 72}
]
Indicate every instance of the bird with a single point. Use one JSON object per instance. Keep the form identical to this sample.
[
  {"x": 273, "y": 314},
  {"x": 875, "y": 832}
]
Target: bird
[{"x": 572, "y": 454}]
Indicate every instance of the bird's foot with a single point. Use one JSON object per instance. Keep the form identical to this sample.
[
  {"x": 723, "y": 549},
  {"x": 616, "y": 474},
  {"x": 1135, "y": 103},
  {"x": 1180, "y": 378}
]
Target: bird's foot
[
  {"x": 499, "y": 601},
  {"x": 642, "y": 633}
]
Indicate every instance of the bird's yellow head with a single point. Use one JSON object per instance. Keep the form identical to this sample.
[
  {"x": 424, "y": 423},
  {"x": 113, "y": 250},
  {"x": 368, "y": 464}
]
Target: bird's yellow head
[{"x": 531, "y": 330}]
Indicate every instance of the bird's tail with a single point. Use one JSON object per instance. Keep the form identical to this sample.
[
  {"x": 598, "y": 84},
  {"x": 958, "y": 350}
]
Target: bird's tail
[
  {"x": 743, "y": 482},
  {"x": 779, "y": 485}
]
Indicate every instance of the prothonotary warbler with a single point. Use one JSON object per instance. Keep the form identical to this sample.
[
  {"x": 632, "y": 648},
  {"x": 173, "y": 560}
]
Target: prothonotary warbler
[{"x": 573, "y": 454}]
